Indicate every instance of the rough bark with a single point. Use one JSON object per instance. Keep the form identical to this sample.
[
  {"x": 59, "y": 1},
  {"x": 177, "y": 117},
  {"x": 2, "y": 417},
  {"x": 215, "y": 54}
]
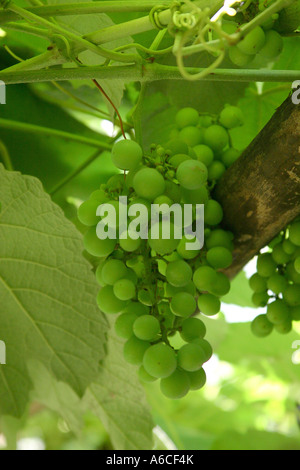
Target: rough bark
[{"x": 260, "y": 193}]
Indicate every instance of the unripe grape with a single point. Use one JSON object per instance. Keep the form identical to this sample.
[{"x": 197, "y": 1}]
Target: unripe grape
[
  {"x": 213, "y": 212},
  {"x": 177, "y": 146},
  {"x": 216, "y": 170},
  {"x": 134, "y": 350},
  {"x": 126, "y": 154},
  {"x": 146, "y": 297},
  {"x": 124, "y": 325},
  {"x": 113, "y": 270},
  {"x": 258, "y": 283},
  {"x": 191, "y": 174},
  {"x": 277, "y": 283},
  {"x": 179, "y": 273},
  {"x": 204, "y": 154},
  {"x": 291, "y": 295},
  {"x": 266, "y": 266},
  {"x": 136, "y": 308},
  {"x": 182, "y": 248},
  {"x": 260, "y": 299},
  {"x": 216, "y": 137},
  {"x": 204, "y": 278},
  {"x": 284, "y": 328},
  {"x": 160, "y": 360},
  {"x": 209, "y": 304},
  {"x": 146, "y": 327},
  {"x": 278, "y": 312},
  {"x": 195, "y": 196},
  {"x": 124, "y": 289},
  {"x": 230, "y": 156},
  {"x": 295, "y": 313},
  {"x": 219, "y": 237},
  {"x": 176, "y": 385},
  {"x": 177, "y": 159},
  {"x": 162, "y": 246},
  {"x": 191, "y": 357},
  {"x": 279, "y": 255},
  {"x": 221, "y": 286},
  {"x": 96, "y": 247},
  {"x": 187, "y": 117},
  {"x": 206, "y": 347},
  {"x": 238, "y": 58},
  {"x": 253, "y": 41},
  {"x": 108, "y": 302},
  {"x": 144, "y": 376},
  {"x": 87, "y": 212},
  {"x": 128, "y": 243},
  {"x": 197, "y": 379},
  {"x": 294, "y": 233},
  {"x": 148, "y": 183},
  {"x": 288, "y": 247},
  {"x": 231, "y": 116},
  {"x": 183, "y": 304},
  {"x": 273, "y": 45},
  {"x": 261, "y": 326},
  {"x": 219, "y": 257},
  {"x": 192, "y": 136},
  {"x": 192, "y": 328},
  {"x": 292, "y": 274}
]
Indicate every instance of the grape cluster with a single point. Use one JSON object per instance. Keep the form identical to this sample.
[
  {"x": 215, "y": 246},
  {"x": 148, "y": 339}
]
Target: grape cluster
[
  {"x": 156, "y": 286},
  {"x": 263, "y": 41},
  {"x": 276, "y": 284}
]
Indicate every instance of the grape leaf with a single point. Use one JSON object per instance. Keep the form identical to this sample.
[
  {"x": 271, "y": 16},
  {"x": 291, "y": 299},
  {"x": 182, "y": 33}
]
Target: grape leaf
[
  {"x": 48, "y": 310},
  {"x": 118, "y": 400}
]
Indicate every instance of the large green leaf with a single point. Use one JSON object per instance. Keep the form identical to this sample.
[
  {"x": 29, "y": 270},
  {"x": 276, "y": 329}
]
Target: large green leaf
[
  {"x": 48, "y": 310},
  {"x": 117, "y": 398}
]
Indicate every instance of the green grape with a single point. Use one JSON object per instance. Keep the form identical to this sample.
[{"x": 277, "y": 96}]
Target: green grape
[
  {"x": 216, "y": 170},
  {"x": 297, "y": 264},
  {"x": 279, "y": 255},
  {"x": 253, "y": 42},
  {"x": 173, "y": 191},
  {"x": 205, "y": 346},
  {"x": 192, "y": 328},
  {"x": 197, "y": 379},
  {"x": 182, "y": 248},
  {"x": 294, "y": 233},
  {"x": 213, "y": 213},
  {"x": 277, "y": 283},
  {"x": 261, "y": 326},
  {"x": 170, "y": 290},
  {"x": 183, "y": 304},
  {"x": 128, "y": 243},
  {"x": 260, "y": 299},
  {"x": 124, "y": 289},
  {"x": 216, "y": 137},
  {"x": 238, "y": 58},
  {"x": 99, "y": 195},
  {"x": 148, "y": 183},
  {"x": 134, "y": 350},
  {"x": 192, "y": 174},
  {"x": 291, "y": 295},
  {"x": 126, "y": 154},
  {"x": 191, "y": 357},
  {"x": 209, "y": 304},
  {"x": 258, "y": 283},
  {"x": 230, "y": 156},
  {"x": 146, "y": 327},
  {"x": 278, "y": 312},
  {"x": 231, "y": 116},
  {"x": 108, "y": 302},
  {"x": 176, "y": 385},
  {"x": 177, "y": 159},
  {"x": 129, "y": 177},
  {"x": 284, "y": 328},
  {"x": 87, "y": 212},
  {"x": 295, "y": 313},
  {"x": 162, "y": 246},
  {"x": 195, "y": 196},
  {"x": 124, "y": 325},
  {"x": 98, "y": 274},
  {"x": 144, "y": 376},
  {"x": 221, "y": 286},
  {"x": 116, "y": 183},
  {"x": 177, "y": 146},
  {"x": 187, "y": 117},
  {"x": 179, "y": 273},
  {"x": 292, "y": 274},
  {"x": 273, "y": 45},
  {"x": 266, "y": 266},
  {"x": 113, "y": 270},
  {"x": 160, "y": 360},
  {"x": 204, "y": 154},
  {"x": 192, "y": 136},
  {"x": 205, "y": 121},
  {"x": 219, "y": 257},
  {"x": 288, "y": 247},
  {"x": 136, "y": 308},
  {"x": 97, "y": 247},
  {"x": 204, "y": 278}
]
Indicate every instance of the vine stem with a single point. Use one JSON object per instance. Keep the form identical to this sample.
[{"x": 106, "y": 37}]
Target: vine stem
[
  {"x": 5, "y": 157},
  {"x": 34, "y": 129},
  {"x": 145, "y": 73}
]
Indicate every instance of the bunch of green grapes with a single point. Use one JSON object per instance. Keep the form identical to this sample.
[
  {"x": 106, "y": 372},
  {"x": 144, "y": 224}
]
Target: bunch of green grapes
[
  {"x": 276, "y": 284},
  {"x": 263, "y": 42},
  {"x": 156, "y": 286}
]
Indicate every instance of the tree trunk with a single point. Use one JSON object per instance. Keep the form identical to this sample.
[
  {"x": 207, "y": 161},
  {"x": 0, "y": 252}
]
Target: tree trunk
[{"x": 260, "y": 193}]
